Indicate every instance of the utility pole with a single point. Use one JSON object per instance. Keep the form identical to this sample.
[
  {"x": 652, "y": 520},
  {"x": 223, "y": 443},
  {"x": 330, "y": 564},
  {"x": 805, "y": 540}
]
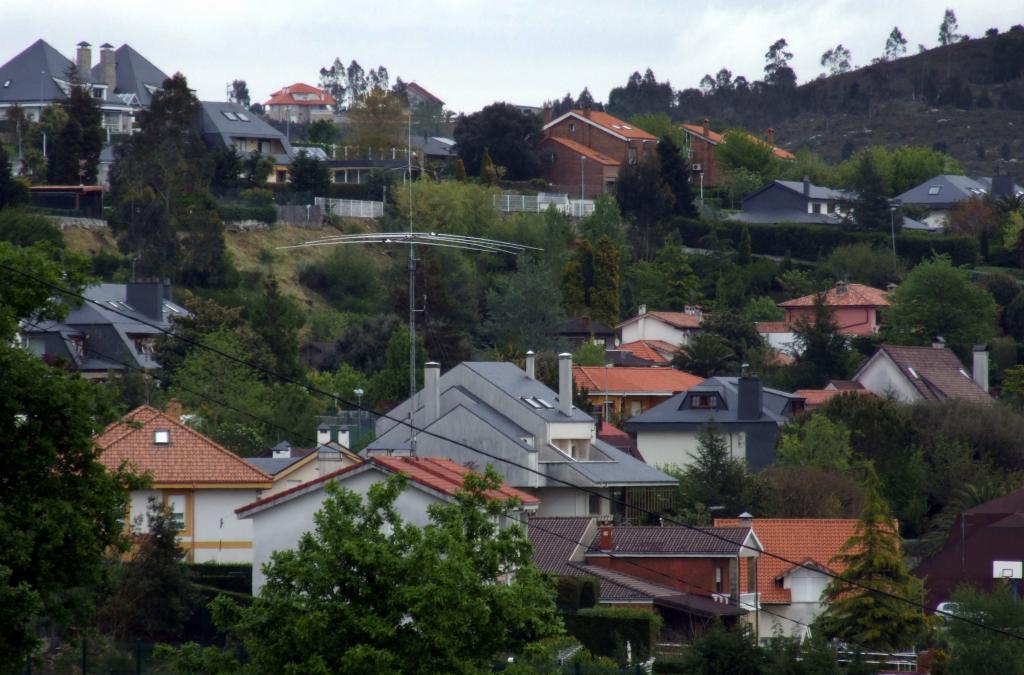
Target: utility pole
[{"x": 412, "y": 297}]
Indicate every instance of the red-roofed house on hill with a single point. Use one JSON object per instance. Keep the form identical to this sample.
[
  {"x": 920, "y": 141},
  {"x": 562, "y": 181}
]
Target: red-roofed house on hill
[
  {"x": 624, "y": 390},
  {"x": 299, "y": 103},
  {"x": 584, "y": 150},
  {"x": 700, "y": 143},
  {"x": 279, "y": 520},
  {"x": 200, "y": 482},
  {"x": 856, "y": 308},
  {"x": 790, "y": 591}
]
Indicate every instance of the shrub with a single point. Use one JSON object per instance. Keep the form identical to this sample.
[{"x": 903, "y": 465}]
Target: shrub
[
  {"x": 236, "y": 212},
  {"x": 605, "y": 631},
  {"x": 575, "y": 593},
  {"x": 257, "y": 197}
]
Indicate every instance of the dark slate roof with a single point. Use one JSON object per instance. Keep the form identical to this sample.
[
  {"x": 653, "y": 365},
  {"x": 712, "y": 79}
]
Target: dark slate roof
[
  {"x": 674, "y": 540},
  {"x": 672, "y": 412},
  {"x": 435, "y": 146},
  {"x": 582, "y": 325},
  {"x": 556, "y": 540},
  {"x": 135, "y": 74},
  {"x": 951, "y": 190},
  {"x": 791, "y": 216},
  {"x": 516, "y": 384},
  {"x": 22, "y": 79},
  {"x": 272, "y": 465},
  {"x": 936, "y": 374},
  {"x": 614, "y": 468},
  {"x": 816, "y": 191},
  {"x": 215, "y": 125},
  {"x": 911, "y": 224}
]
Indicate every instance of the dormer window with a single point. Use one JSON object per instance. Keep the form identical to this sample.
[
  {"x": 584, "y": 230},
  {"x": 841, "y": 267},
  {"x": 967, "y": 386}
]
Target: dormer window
[
  {"x": 704, "y": 401},
  {"x": 162, "y": 437}
]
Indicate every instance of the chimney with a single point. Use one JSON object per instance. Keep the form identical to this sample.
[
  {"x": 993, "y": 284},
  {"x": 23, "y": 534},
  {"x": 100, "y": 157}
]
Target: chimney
[
  {"x": 841, "y": 287},
  {"x": 431, "y": 392},
  {"x": 749, "y": 392},
  {"x": 565, "y": 384},
  {"x": 770, "y": 133},
  {"x": 323, "y": 434},
  {"x": 531, "y": 365},
  {"x": 173, "y": 409},
  {"x": 282, "y": 450},
  {"x": 586, "y": 113},
  {"x": 342, "y": 437},
  {"x": 707, "y": 128},
  {"x": 807, "y": 186},
  {"x": 980, "y": 367},
  {"x": 1002, "y": 185},
  {"x": 641, "y": 310},
  {"x": 605, "y": 541},
  {"x": 939, "y": 342},
  {"x": 167, "y": 290},
  {"x": 108, "y": 66},
  {"x": 83, "y": 59},
  {"x": 746, "y": 519},
  {"x": 146, "y": 298},
  {"x": 547, "y": 114}
]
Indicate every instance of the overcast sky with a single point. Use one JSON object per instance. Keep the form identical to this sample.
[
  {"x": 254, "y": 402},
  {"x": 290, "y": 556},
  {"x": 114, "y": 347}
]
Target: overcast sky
[{"x": 471, "y": 53}]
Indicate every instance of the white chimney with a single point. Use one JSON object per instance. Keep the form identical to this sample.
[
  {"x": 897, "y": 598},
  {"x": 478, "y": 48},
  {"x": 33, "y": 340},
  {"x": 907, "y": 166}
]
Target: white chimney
[
  {"x": 980, "y": 367},
  {"x": 531, "y": 365},
  {"x": 565, "y": 384},
  {"x": 431, "y": 393},
  {"x": 641, "y": 310},
  {"x": 344, "y": 438},
  {"x": 323, "y": 434}
]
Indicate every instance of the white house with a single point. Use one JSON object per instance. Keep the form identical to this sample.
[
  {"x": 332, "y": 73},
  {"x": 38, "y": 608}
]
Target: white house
[
  {"x": 676, "y": 328},
  {"x": 200, "y": 482},
  {"x": 910, "y": 374},
  {"x": 279, "y": 520}
]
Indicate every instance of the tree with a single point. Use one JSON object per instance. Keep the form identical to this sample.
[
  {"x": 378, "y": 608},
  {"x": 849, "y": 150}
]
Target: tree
[
  {"x": 508, "y": 134},
  {"x": 154, "y": 570},
  {"x": 12, "y": 191},
  {"x": 524, "y": 307},
  {"x": 948, "y": 28},
  {"x": 976, "y": 217},
  {"x": 309, "y": 174},
  {"x": 836, "y": 60},
  {"x": 823, "y": 352},
  {"x": 277, "y": 319},
  {"x": 707, "y": 355},
  {"x": 334, "y": 80},
  {"x": 777, "y": 62},
  {"x": 75, "y": 153},
  {"x": 864, "y": 264},
  {"x": 870, "y": 208},
  {"x": 743, "y": 251},
  {"x": 677, "y": 283},
  {"x": 939, "y": 300},
  {"x": 739, "y": 333},
  {"x": 647, "y": 201},
  {"x": 811, "y": 492},
  {"x": 660, "y": 125},
  {"x": 366, "y": 591},
  {"x": 676, "y": 175},
  {"x": 976, "y": 649},
  {"x": 873, "y": 560},
  {"x": 816, "y": 442},
  {"x": 488, "y": 172},
  {"x": 377, "y": 121},
  {"x": 255, "y": 169},
  {"x": 604, "y": 295},
  {"x": 60, "y": 508},
  {"x": 895, "y": 45},
  {"x": 238, "y": 91},
  {"x": 740, "y": 150},
  {"x": 322, "y": 132},
  {"x": 724, "y": 651}
]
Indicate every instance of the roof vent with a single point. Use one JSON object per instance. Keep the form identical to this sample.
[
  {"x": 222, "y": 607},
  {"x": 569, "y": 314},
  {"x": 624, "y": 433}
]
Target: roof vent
[{"x": 162, "y": 437}]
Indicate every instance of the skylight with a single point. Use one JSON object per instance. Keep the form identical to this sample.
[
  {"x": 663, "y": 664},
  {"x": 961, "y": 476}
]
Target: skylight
[
  {"x": 964, "y": 373},
  {"x": 545, "y": 403},
  {"x": 914, "y": 373},
  {"x": 243, "y": 117},
  {"x": 934, "y": 189},
  {"x": 162, "y": 437},
  {"x": 532, "y": 403},
  {"x": 230, "y": 115},
  {"x": 7, "y": 83}
]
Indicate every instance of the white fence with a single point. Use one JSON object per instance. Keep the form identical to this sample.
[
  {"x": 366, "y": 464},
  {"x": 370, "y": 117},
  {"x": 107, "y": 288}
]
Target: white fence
[
  {"x": 350, "y": 208},
  {"x": 512, "y": 203}
]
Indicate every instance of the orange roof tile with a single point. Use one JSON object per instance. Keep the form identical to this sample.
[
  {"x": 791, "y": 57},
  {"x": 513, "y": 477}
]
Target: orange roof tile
[
  {"x": 284, "y": 96},
  {"x": 801, "y": 540},
  {"x": 677, "y": 319},
  {"x": 773, "y": 327},
  {"x": 609, "y": 123},
  {"x": 189, "y": 457},
  {"x": 437, "y": 473},
  {"x": 633, "y": 380},
  {"x": 656, "y": 351},
  {"x": 854, "y": 295},
  {"x": 589, "y": 153},
  {"x": 816, "y": 397},
  {"x": 716, "y": 138}
]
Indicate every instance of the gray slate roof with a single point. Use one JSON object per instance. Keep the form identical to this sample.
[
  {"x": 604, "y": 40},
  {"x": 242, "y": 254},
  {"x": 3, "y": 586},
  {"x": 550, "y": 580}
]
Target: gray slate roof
[
  {"x": 951, "y": 190},
  {"x": 272, "y": 465},
  {"x": 22, "y": 79},
  {"x": 672, "y": 412},
  {"x": 215, "y": 126},
  {"x": 135, "y": 74},
  {"x": 512, "y": 380},
  {"x": 792, "y": 216},
  {"x": 816, "y": 191}
]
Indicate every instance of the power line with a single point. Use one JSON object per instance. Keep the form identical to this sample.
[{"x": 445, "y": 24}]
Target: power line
[{"x": 414, "y": 429}]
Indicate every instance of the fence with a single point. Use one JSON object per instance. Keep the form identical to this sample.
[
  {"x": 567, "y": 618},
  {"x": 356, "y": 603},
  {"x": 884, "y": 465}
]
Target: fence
[
  {"x": 350, "y": 208},
  {"x": 513, "y": 203},
  {"x": 298, "y": 214}
]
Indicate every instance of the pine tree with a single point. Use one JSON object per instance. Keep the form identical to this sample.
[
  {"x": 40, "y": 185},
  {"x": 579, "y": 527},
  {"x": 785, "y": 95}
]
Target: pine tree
[
  {"x": 604, "y": 295},
  {"x": 80, "y": 140},
  {"x": 460, "y": 170},
  {"x": 743, "y": 251},
  {"x": 676, "y": 176},
  {"x": 488, "y": 173},
  {"x": 872, "y": 558},
  {"x": 870, "y": 205},
  {"x": 679, "y": 283},
  {"x": 573, "y": 292},
  {"x": 12, "y": 192}
]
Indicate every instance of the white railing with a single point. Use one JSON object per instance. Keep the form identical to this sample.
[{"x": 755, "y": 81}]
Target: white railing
[
  {"x": 513, "y": 203},
  {"x": 350, "y": 208}
]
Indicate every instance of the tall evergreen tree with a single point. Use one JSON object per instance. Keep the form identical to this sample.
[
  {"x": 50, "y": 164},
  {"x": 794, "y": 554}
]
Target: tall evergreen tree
[
  {"x": 488, "y": 172},
  {"x": 676, "y": 175},
  {"x": 872, "y": 558},
  {"x": 870, "y": 206},
  {"x": 743, "y": 251},
  {"x": 604, "y": 295},
  {"x": 75, "y": 154},
  {"x": 12, "y": 192}
]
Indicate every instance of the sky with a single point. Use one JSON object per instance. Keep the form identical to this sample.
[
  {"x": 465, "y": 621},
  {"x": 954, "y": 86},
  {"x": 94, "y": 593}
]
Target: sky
[{"x": 471, "y": 53}]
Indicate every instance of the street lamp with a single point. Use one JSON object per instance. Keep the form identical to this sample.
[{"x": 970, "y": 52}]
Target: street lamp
[{"x": 359, "y": 400}]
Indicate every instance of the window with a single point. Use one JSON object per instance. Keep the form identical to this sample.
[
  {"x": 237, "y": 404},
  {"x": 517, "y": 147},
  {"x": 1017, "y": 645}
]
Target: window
[
  {"x": 935, "y": 189},
  {"x": 176, "y": 508},
  {"x": 162, "y": 437},
  {"x": 703, "y": 401},
  {"x": 816, "y": 207},
  {"x": 718, "y": 580},
  {"x": 532, "y": 402},
  {"x": 632, "y": 155},
  {"x": 230, "y": 115},
  {"x": 594, "y": 505},
  {"x": 572, "y": 127},
  {"x": 242, "y": 117},
  {"x": 544, "y": 403},
  {"x": 751, "y": 575}
]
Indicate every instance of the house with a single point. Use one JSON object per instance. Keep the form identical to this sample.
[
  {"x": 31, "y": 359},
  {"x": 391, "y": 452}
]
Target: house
[
  {"x": 689, "y": 576},
  {"x": 618, "y": 438},
  {"x": 748, "y": 414},
  {"x": 779, "y": 335},
  {"x": 675, "y": 328},
  {"x": 583, "y": 151},
  {"x": 856, "y": 308},
  {"x": 355, "y": 165},
  {"x": 791, "y": 594},
  {"x": 984, "y": 546},
  {"x": 910, "y": 374},
  {"x": 199, "y": 482},
  {"x": 815, "y": 398},
  {"x": 299, "y": 103},
  {"x": 116, "y": 329},
  {"x": 40, "y": 76},
  {"x": 620, "y": 390},
  {"x": 789, "y": 201},
  {"x": 279, "y": 520},
  {"x": 941, "y": 194},
  {"x": 582, "y": 330},
  {"x": 289, "y": 466},
  {"x": 418, "y": 96},
  {"x": 536, "y": 438},
  {"x": 129, "y": 75},
  {"x": 225, "y": 124},
  {"x": 649, "y": 352},
  {"x": 700, "y": 142}
]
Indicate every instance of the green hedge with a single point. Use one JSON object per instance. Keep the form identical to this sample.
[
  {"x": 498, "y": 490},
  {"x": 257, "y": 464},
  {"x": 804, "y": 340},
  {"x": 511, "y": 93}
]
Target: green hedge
[
  {"x": 809, "y": 242},
  {"x": 233, "y": 578},
  {"x": 575, "y": 593},
  {"x": 266, "y": 213},
  {"x": 363, "y": 191},
  {"x": 605, "y": 631}
]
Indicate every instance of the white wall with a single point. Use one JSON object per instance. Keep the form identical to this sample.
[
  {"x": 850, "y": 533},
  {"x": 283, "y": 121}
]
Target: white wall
[
  {"x": 882, "y": 377},
  {"x": 679, "y": 448},
  {"x": 650, "y": 328},
  {"x": 140, "y": 506},
  {"x": 784, "y": 342},
  {"x": 565, "y": 501},
  {"x": 805, "y": 587}
]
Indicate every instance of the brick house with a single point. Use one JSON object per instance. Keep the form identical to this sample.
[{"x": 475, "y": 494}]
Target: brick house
[
  {"x": 856, "y": 308},
  {"x": 700, "y": 142},
  {"x": 583, "y": 151}
]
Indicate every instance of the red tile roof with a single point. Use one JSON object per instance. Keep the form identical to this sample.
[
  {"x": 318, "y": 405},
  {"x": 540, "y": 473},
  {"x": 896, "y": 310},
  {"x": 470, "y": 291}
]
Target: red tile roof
[
  {"x": 816, "y": 397},
  {"x": 284, "y": 96},
  {"x": 609, "y": 123},
  {"x": 437, "y": 473},
  {"x": 801, "y": 540},
  {"x": 656, "y": 351},
  {"x": 189, "y": 458},
  {"x": 715, "y": 138},
  {"x": 581, "y": 149},
  {"x": 676, "y": 319},
  {"x": 634, "y": 380},
  {"x": 423, "y": 93},
  {"x": 855, "y": 295},
  {"x": 937, "y": 374},
  {"x": 773, "y": 327}
]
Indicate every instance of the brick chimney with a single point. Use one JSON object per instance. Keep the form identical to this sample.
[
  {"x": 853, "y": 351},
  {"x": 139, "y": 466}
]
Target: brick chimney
[
  {"x": 83, "y": 59},
  {"x": 586, "y": 113},
  {"x": 770, "y": 134},
  {"x": 707, "y": 128},
  {"x": 531, "y": 365},
  {"x": 605, "y": 541},
  {"x": 108, "y": 66},
  {"x": 565, "y": 384},
  {"x": 173, "y": 409},
  {"x": 547, "y": 114}
]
